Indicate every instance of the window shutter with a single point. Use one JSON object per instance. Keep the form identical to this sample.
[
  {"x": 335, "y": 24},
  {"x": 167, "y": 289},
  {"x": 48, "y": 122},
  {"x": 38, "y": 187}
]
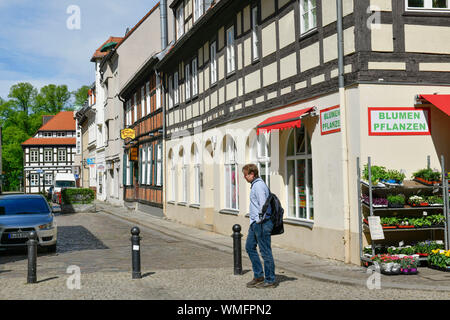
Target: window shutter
[{"x": 124, "y": 169}]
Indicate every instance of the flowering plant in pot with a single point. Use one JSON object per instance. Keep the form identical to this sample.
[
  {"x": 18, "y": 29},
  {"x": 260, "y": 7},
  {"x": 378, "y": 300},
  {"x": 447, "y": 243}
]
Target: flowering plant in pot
[
  {"x": 388, "y": 264},
  {"x": 408, "y": 265},
  {"x": 439, "y": 259},
  {"x": 389, "y": 222},
  {"x": 376, "y": 202},
  {"x": 435, "y": 201},
  {"x": 417, "y": 201}
]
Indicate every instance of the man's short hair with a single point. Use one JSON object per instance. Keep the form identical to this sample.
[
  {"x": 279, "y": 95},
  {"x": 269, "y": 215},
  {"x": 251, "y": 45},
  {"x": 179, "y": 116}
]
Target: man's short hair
[{"x": 251, "y": 168}]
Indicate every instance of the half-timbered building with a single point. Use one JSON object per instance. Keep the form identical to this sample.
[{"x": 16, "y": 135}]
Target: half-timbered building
[
  {"x": 51, "y": 150},
  {"x": 290, "y": 85}
]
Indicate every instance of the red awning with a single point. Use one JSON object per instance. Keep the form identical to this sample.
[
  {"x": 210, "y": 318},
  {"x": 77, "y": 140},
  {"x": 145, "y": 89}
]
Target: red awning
[
  {"x": 441, "y": 101},
  {"x": 284, "y": 121}
]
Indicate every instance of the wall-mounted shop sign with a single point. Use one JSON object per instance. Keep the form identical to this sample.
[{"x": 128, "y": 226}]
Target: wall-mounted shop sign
[
  {"x": 90, "y": 161},
  {"x": 399, "y": 121},
  {"x": 330, "y": 120},
  {"x": 127, "y": 133}
]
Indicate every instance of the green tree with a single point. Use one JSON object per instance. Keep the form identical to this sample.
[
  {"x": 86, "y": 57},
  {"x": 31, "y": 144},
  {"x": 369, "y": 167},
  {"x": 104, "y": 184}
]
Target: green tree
[
  {"x": 81, "y": 96},
  {"x": 52, "y": 99},
  {"x": 23, "y": 96}
]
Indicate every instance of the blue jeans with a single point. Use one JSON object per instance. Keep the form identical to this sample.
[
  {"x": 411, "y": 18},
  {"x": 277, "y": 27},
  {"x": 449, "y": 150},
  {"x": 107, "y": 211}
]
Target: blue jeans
[{"x": 259, "y": 235}]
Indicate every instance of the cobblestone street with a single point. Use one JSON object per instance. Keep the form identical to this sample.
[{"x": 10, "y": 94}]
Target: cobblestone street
[{"x": 172, "y": 268}]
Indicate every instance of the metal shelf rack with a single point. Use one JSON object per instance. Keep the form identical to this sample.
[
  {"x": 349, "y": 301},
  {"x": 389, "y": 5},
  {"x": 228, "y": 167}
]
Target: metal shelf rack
[{"x": 363, "y": 228}]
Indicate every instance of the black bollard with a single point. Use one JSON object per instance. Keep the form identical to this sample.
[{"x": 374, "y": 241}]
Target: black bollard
[
  {"x": 32, "y": 257},
  {"x": 237, "y": 249},
  {"x": 136, "y": 253}
]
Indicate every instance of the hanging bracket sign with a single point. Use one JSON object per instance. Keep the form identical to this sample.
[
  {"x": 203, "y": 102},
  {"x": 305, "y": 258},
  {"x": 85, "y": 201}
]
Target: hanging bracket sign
[
  {"x": 399, "y": 121},
  {"x": 127, "y": 134}
]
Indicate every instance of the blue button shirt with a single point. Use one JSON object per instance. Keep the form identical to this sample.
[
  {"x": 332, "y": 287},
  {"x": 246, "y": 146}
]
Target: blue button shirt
[{"x": 258, "y": 196}]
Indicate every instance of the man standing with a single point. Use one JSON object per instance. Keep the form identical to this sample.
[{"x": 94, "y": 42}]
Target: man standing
[{"x": 259, "y": 233}]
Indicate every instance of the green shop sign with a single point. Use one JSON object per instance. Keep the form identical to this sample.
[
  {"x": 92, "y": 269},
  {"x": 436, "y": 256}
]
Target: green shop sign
[
  {"x": 330, "y": 120},
  {"x": 399, "y": 121}
]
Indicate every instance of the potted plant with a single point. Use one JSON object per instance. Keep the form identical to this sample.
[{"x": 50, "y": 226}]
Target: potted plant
[
  {"x": 435, "y": 201},
  {"x": 376, "y": 202},
  {"x": 378, "y": 173},
  {"x": 439, "y": 259},
  {"x": 436, "y": 220},
  {"x": 393, "y": 177},
  {"x": 408, "y": 265},
  {"x": 428, "y": 177},
  {"x": 389, "y": 222},
  {"x": 396, "y": 201},
  {"x": 417, "y": 201}
]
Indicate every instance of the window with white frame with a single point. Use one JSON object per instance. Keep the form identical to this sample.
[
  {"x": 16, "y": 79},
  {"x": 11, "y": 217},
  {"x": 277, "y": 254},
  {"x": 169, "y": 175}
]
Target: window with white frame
[
  {"x": 128, "y": 170},
  {"x": 196, "y": 175},
  {"x": 308, "y": 15},
  {"x": 149, "y": 164},
  {"x": 48, "y": 155},
  {"x": 144, "y": 165},
  {"x": 34, "y": 179},
  {"x": 61, "y": 155},
  {"x": 255, "y": 38},
  {"x": 34, "y": 155},
  {"x": 143, "y": 102},
  {"x": 213, "y": 62},
  {"x": 208, "y": 4},
  {"x": 231, "y": 175},
  {"x": 48, "y": 179},
  {"x": 159, "y": 164},
  {"x": 230, "y": 50},
  {"x": 187, "y": 82},
  {"x": 198, "y": 9},
  {"x": 170, "y": 92},
  {"x": 194, "y": 78},
  {"x": 261, "y": 157},
  {"x": 180, "y": 21},
  {"x": 427, "y": 5},
  {"x": 176, "y": 91},
  {"x": 147, "y": 91},
  {"x": 299, "y": 175},
  {"x": 158, "y": 92}
]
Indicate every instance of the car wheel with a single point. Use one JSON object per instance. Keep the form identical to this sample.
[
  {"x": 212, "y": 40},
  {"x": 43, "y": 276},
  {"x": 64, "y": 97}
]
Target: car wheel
[{"x": 52, "y": 248}]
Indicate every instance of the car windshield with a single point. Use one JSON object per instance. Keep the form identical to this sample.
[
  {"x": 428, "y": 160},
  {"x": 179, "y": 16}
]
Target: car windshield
[
  {"x": 23, "y": 206},
  {"x": 64, "y": 184}
]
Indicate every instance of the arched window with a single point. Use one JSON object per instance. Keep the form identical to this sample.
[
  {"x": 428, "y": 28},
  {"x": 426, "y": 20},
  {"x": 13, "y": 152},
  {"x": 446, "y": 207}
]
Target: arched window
[
  {"x": 260, "y": 156},
  {"x": 196, "y": 161},
  {"x": 184, "y": 175},
  {"x": 299, "y": 175},
  {"x": 231, "y": 175}
]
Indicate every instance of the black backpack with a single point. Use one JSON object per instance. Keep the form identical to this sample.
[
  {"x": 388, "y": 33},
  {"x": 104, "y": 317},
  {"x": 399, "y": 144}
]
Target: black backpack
[{"x": 276, "y": 215}]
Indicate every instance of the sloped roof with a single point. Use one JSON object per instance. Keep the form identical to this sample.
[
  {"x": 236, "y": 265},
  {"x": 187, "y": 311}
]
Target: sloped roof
[
  {"x": 49, "y": 141},
  {"x": 63, "y": 121},
  {"x": 98, "y": 54}
]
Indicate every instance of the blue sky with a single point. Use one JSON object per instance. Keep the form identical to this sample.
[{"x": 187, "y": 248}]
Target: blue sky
[{"x": 36, "y": 45}]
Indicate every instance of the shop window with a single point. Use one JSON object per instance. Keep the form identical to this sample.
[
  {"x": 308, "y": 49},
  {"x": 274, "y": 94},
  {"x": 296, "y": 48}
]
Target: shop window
[
  {"x": 143, "y": 166},
  {"x": 261, "y": 157},
  {"x": 231, "y": 175},
  {"x": 299, "y": 175},
  {"x": 308, "y": 15},
  {"x": 427, "y": 5}
]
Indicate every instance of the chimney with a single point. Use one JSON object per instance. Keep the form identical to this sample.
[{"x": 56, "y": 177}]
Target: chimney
[{"x": 46, "y": 119}]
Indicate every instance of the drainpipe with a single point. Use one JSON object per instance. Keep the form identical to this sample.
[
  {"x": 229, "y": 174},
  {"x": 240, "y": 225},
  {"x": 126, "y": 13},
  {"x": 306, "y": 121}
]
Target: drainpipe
[
  {"x": 344, "y": 150},
  {"x": 163, "y": 14}
]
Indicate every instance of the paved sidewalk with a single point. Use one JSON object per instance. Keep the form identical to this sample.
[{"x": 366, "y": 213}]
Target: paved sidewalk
[{"x": 297, "y": 263}]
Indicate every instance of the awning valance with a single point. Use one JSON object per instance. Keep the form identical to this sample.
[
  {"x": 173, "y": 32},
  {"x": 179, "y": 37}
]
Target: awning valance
[
  {"x": 284, "y": 121},
  {"x": 441, "y": 101}
]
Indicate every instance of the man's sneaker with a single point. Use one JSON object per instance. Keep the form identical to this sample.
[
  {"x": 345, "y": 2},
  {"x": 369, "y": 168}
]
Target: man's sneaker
[
  {"x": 254, "y": 282},
  {"x": 265, "y": 285}
]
